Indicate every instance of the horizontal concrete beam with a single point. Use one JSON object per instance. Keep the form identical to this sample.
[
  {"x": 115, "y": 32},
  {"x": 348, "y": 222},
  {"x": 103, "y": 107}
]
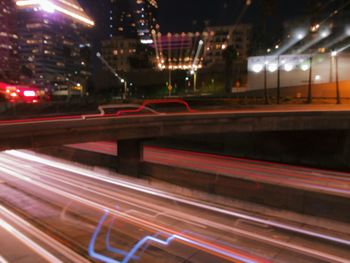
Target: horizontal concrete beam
[
  {"x": 36, "y": 134},
  {"x": 304, "y": 202}
]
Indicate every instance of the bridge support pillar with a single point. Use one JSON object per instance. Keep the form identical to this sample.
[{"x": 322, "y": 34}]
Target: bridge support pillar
[{"x": 130, "y": 156}]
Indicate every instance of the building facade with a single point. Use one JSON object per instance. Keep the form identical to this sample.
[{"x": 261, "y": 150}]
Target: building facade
[
  {"x": 117, "y": 51},
  {"x": 121, "y": 19},
  {"x": 220, "y": 37},
  {"x": 134, "y": 18},
  {"x": 9, "y": 66},
  {"x": 53, "y": 43}
]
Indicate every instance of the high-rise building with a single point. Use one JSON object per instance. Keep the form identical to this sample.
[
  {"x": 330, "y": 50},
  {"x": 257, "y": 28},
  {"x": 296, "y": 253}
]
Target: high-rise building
[
  {"x": 9, "y": 67},
  {"x": 121, "y": 20},
  {"x": 53, "y": 42},
  {"x": 220, "y": 37},
  {"x": 134, "y": 18},
  {"x": 117, "y": 51}
]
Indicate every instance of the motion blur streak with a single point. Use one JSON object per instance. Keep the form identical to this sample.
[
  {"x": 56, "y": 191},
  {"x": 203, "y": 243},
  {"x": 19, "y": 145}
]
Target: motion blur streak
[
  {"x": 28, "y": 242},
  {"x": 166, "y": 195},
  {"x": 133, "y": 220},
  {"x": 303, "y": 177},
  {"x": 42, "y": 236},
  {"x": 167, "y": 242},
  {"x": 2, "y": 260},
  {"x": 91, "y": 249},
  {"x": 108, "y": 244}
]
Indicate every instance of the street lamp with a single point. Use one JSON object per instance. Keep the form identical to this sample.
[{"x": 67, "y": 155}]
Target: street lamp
[
  {"x": 278, "y": 80},
  {"x": 265, "y": 83},
  {"x": 309, "y": 97},
  {"x": 194, "y": 73},
  {"x": 123, "y": 81},
  {"x": 334, "y": 54}
]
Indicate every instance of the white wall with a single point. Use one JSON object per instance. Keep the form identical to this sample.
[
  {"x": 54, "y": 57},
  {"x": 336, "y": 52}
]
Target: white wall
[{"x": 322, "y": 66}]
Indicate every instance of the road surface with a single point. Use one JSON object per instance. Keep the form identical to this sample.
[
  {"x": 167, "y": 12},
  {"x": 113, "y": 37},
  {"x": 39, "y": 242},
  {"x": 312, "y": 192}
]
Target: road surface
[{"x": 107, "y": 219}]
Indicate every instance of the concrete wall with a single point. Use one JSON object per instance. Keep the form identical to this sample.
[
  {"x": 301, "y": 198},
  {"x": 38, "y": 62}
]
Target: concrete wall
[
  {"x": 275, "y": 196},
  {"x": 323, "y": 70}
]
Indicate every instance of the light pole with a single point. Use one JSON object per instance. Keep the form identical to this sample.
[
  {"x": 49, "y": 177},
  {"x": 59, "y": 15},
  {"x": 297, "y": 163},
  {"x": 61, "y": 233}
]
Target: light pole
[
  {"x": 265, "y": 83},
  {"x": 309, "y": 96},
  {"x": 278, "y": 80},
  {"x": 170, "y": 76},
  {"x": 335, "y": 56},
  {"x": 125, "y": 90},
  {"x": 194, "y": 73}
]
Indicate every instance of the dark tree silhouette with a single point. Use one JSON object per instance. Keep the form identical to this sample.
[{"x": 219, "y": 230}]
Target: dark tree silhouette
[
  {"x": 230, "y": 56},
  {"x": 25, "y": 71}
]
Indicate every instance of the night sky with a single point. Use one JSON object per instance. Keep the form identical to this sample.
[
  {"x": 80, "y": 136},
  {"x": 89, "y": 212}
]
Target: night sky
[{"x": 188, "y": 15}]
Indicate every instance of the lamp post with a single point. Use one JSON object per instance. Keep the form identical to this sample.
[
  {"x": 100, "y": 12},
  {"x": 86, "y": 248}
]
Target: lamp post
[
  {"x": 125, "y": 89},
  {"x": 278, "y": 80},
  {"x": 309, "y": 96},
  {"x": 265, "y": 83},
  {"x": 170, "y": 79},
  {"x": 194, "y": 73},
  {"x": 334, "y": 54}
]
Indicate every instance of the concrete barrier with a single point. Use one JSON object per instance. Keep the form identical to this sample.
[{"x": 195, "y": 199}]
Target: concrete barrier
[{"x": 304, "y": 202}]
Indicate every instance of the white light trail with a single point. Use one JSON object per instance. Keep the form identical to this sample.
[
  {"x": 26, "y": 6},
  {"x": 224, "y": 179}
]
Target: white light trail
[
  {"x": 29, "y": 243},
  {"x": 43, "y": 237},
  {"x": 48, "y": 6},
  {"x": 3, "y": 260},
  {"x": 166, "y": 195},
  {"x": 323, "y": 35},
  {"x": 153, "y": 226}
]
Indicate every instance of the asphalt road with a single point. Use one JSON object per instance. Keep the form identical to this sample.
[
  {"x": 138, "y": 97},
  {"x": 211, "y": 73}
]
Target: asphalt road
[{"x": 106, "y": 218}]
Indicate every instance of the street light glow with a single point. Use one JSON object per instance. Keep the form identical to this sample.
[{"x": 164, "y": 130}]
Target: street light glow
[
  {"x": 288, "y": 67},
  {"x": 300, "y": 35},
  {"x": 257, "y": 68},
  {"x": 334, "y": 53},
  {"x": 317, "y": 78},
  {"x": 325, "y": 33},
  {"x": 272, "y": 67},
  {"x": 305, "y": 67}
]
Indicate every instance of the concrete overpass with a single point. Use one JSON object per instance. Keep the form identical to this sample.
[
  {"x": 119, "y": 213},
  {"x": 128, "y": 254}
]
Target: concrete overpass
[
  {"x": 53, "y": 132},
  {"x": 130, "y": 131}
]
